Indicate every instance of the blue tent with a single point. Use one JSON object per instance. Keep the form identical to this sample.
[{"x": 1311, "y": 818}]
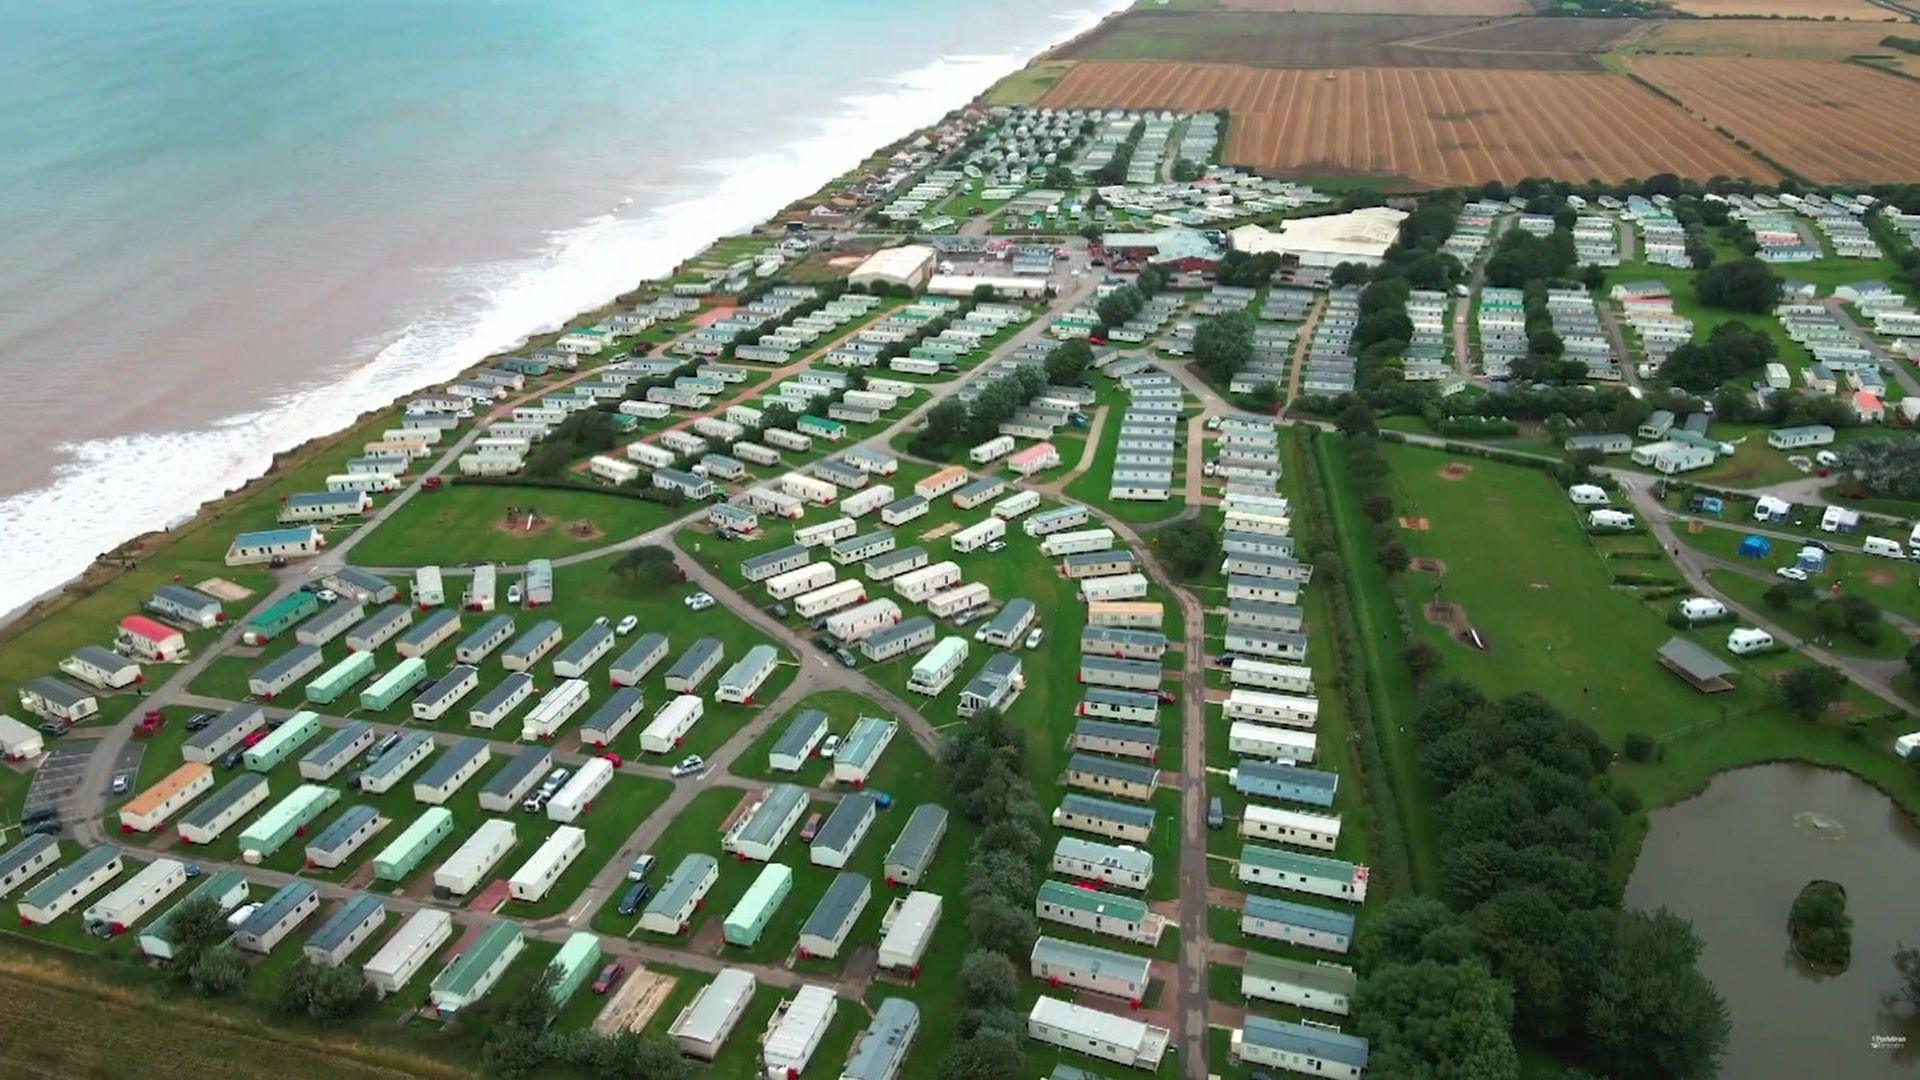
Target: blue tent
[{"x": 1756, "y": 547}]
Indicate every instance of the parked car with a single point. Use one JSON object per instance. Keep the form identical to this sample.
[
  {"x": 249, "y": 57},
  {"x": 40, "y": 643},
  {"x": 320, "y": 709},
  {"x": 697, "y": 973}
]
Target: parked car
[
  {"x": 1792, "y": 573},
  {"x": 513, "y": 594},
  {"x": 994, "y": 547},
  {"x": 811, "y": 829},
  {"x": 1166, "y": 696},
  {"x": 846, "y": 658},
  {"x": 327, "y": 596},
  {"x": 1035, "y": 636},
  {"x": 613, "y": 759},
  {"x": 830, "y": 746},
  {"x": 825, "y": 643},
  {"x": 1216, "y": 813},
  {"x": 241, "y": 914},
  {"x": 193, "y": 871},
  {"x": 609, "y": 975},
  {"x": 689, "y": 765},
  {"x": 700, "y": 601},
  {"x": 120, "y": 784},
  {"x": 882, "y": 800},
  {"x": 1224, "y": 660},
  {"x": 639, "y": 868},
  {"x": 626, "y": 625},
  {"x": 635, "y": 896},
  {"x": 53, "y": 729},
  {"x": 233, "y": 757},
  {"x": 777, "y": 610},
  {"x": 199, "y": 720}
]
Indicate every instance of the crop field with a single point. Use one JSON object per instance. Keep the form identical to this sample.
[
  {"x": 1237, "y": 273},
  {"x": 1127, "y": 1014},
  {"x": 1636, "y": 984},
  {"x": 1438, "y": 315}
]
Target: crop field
[
  {"x": 1344, "y": 40},
  {"x": 1785, "y": 9},
  {"x": 1831, "y": 123},
  {"x": 1539, "y": 38},
  {"x": 1768, "y": 38},
  {"x": 1380, "y": 7},
  {"x": 1436, "y": 126}
]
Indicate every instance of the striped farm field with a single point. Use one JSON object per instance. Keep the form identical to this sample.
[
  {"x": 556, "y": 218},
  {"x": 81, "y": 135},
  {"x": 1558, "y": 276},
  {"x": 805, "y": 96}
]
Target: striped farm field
[
  {"x": 1832, "y": 123},
  {"x": 1435, "y": 126}
]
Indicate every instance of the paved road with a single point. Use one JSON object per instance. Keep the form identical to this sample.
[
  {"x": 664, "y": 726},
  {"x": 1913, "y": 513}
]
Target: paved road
[
  {"x": 1463, "y": 313},
  {"x": 1888, "y": 362}
]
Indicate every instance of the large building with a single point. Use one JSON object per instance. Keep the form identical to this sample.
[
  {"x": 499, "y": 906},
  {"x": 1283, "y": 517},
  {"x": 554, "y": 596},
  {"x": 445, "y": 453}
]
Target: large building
[
  {"x": 908, "y": 266},
  {"x": 1358, "y": 236}
]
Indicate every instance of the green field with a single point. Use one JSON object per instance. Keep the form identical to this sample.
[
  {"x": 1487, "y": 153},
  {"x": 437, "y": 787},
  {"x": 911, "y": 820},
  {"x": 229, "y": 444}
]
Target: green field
[
  {"x": 466, "y": 523},
  {"x": 1093, "y": 486}
]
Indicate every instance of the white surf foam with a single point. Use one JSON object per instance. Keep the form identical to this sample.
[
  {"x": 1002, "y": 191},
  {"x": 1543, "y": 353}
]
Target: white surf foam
[{"x": 111, "y": 490}]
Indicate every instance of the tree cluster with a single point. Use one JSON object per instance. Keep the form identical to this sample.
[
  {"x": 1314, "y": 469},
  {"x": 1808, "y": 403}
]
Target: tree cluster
[
  {"x": 984, "y": 765},
  {"x": 1744, "y": 284},
  {"x": 520, "y": 1041},
  {"x": 1119, "y": 307},
  {"x": 1223, "y": 345},
  {"x": 1189, "y": 547},
  {"x": 1731, "y": 349},
  {"x": 583, "y": 434},
  {"x": 1820, "y": 927},
  {"x": 330, "y": 994},
  {"x": 1247, "y": 271},
  {"x": 1528, "y": 822},
  {"x": 953, "y": 422},
  {"x": 201, "y": 960},
  {"x": 1519, "y": 257},
  {"x": 1884, "y": 466}
]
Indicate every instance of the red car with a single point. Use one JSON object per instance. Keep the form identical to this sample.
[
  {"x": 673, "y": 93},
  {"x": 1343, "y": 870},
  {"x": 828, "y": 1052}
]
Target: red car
[
  {"x": 253, "y": 738},
  {"x": 149, "y": 725},
  {"x": 614, "y": 760},
  {"x": 431, "y": 483},
  {"x": 608, "y": 976}
]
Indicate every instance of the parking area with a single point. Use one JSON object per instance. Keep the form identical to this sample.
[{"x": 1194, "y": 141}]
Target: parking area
[
  {"x": 127, "y": 767},
  {"x": 58, "y": 777}
]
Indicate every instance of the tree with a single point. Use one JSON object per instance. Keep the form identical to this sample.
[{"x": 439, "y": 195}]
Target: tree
[
  {"x": 218, "y": 971},
  {"x": 988, "y": 978},
  {"x": 946, "y": 422},
  {"x": 1392, "y": 557},
  {"x": 1068, "y": 361},
  {"x": 990, "y": 1054},
  {"x": 1782, "y": 596},
  {"x": 1356, "y": 420},
  {"x": 1906, "y": 961},
  {"x": 1884, "y": 466},
  {"x": 1913, "y": 661},
  {"x": 1378, "y": 508},
  {"x": 1120, "y": 306},
  {"x": 1434, "y": 1020},
  {"x": 1744, "y": 284},
  {"x": 1151, "y": 281},
  {"x": 1821, "y": 928},
  {"x": 649, "y": 566},
  {"x": 1651, "y": 1015},
  {"x": 1640, "y": 746},
  {"x": 1421, "y": 659},
  {"x": 1265, "y": 397},
  {"x": 1190, "y": 547},
  {"x": 1348, "y": 273},
  {"x": 1808, "y": 690},
  {"x": 196, "y": 926},
  {"x": 323, "y": 993},
  {"x": 1002, "y": 925},
  {"x": 1224, "y": 345}
]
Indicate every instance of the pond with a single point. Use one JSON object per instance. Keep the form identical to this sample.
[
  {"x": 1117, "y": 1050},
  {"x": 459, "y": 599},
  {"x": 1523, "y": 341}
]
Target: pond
[{"x": 1732, "y": 859}]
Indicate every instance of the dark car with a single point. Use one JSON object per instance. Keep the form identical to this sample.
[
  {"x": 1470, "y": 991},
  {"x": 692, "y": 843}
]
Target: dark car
[
  {"x": 608, "y": 976},
  {"x": 810, "y": 830},
  {"x": 199, "y": 720},
  {"x": 635, "y": 895},
  {"x": 882, "y": 800},
  {"x": 1216, "y": 813},
  {"x": 777, "y": 610},
  {"x": 825, "y": 643},
  {"x": 233, "y": 757},
  {"x": 53, "y": 729},
  {"x": 846, "y": 658}
]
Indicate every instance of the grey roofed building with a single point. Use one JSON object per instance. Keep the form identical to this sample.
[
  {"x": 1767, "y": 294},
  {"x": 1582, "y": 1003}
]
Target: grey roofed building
[
  {"x": 367, "y": 587},
  {"x": 771, "y": 558},
  {"x": 333, "y": 620},
  {"x": 915, "y": 845},
  {"x": 58, "y": 691},
  {"x": 799, "y": 732},
  {"x": 683, "y": 883},
  {"x": 1123, "y": 699},
  {"x": 1103, "y": 639},
  {"x": 286, "y": 662},
  {"x": 343, "y": 827},
  {"x": 882, "y": 1048},
  {"x": 1239, "y": 542},
  {"x": 1124, "y": 771},
  {"x": 487, "y": 631},
  {"x": 984, "y": 488},
  {"x": 221, "y": 729},
  {"x": 841, "y": 902},
  {"x": 1298, "y": 1039},
  {"x": 1705, "y": 671},
  {"x": 276, "y": 907},
  {"x": 908, "y": 505},
  {"x": 577, "y": 651},
  {"x": 764, "y": 824},
  {"x": 1101, "y": 729},
  {"x": 699, "y": 656},
  {"x": 448, "y": 685},
  {"x": 508, "y": 687},
  {"x": 1008, "y": 620},
  {"x": 1273, "y": 909},
  {"x": 1117, "y": 557},
  {"x": 1134, "y": 817},
  {"x": 844, "y": 821},
  {"x": 449, "y": 764},
  {"x": 879, "y": 564},
  {"x": 532, "y": 761},
  {"x": 348, "y": 918}
]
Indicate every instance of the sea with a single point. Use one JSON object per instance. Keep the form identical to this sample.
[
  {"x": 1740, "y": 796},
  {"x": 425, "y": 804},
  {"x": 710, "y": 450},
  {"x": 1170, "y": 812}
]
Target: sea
[{"x": 230, "y": 226}]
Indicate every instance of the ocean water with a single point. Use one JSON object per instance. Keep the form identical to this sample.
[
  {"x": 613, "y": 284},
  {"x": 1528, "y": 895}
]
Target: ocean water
[{"x": 228, "y": 226}]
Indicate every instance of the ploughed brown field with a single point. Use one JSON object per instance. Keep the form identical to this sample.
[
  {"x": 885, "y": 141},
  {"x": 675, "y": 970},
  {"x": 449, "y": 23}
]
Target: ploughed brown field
[
  {"x": 1780, "y": 39},
  {"x": 1351, "y": 40},
  {"x": 1832, "y": 123},
  {"x": 1438, "y": 127},
  {"x": 1786, "y": 9}
]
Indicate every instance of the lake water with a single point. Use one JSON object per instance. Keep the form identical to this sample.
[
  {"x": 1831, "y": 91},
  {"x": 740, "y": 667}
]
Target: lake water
[
  {"x": 1732, "y": 860},
  {"x": 228, "y": 226}
]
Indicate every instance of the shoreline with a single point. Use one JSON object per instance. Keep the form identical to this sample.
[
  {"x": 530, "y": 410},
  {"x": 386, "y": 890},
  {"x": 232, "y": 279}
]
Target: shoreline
[{"x": 850, "y": 110}]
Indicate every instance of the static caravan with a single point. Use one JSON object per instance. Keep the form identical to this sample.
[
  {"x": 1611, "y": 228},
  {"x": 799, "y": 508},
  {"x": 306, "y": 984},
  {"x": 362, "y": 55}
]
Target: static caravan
[
  {"x": 1312, "y": 1049},
  {"x": 840, "y": 474},
  {"x": 797, "y": 743},
  {"x": 1104, "y": 563},
  {"x": 992, "y": 450},
  {"x": 1120, "y": 674},
  {"x": 404, "y": 954},
  {"x": 284, "y": 671},
  {"x": 205, "y": 823},
  {"x": 150, "y": 639},
  {"x": 1109, "y": 704},
  {"x": 798, "y": 1027},
  {"x": 787, "y": 440},
  {"x": 334, "y": 683},
  {"x": 462, "y": 761},
  {"x": 1055, "y": 520},
  {"x": 186, "y": 605},
  {"x": 653, "y": 457},
  {"x": 537, "y": 875},
  {"x": 1285, "y": 782},
  {"x": 1104, "y": 971},
  {"x": 907, "y": 929},
  {"x": 671, "y": 909},
  {"x": 612, "y": 717},
  {"x": 428, "y": 588},
  {"x": 281, "y": 914},
  {"x": 130, "y": 901},
  {"x": 331, "y": 622},
  {"x": 920, "y": 584},
  {"x": 640, "y": 658},
  {"x": 150, "y": 809},
  {"x": 979, "y": 492},
  {"x": 1115, "y": 587},
  {"x": 383, "y": 772},
  {"x": 832, "y": 919},
  {"x": 1098, "y": 912},
  {"x": 757, "y": 907},
  {"x": 934, "y": 672},
  {"x": 1122, "y": 865},
  {"x": 830, "y": 598},
  {"x": 101, "y": 668},
  {"x": 1098, "y": 1034},
  {"x": 899, "y": 640},
  {"x": 1076, "y": 543},
  {"x": 1104, "y": 817},
  {"x": 853, "y": 624},
  {"x": 1123, "y": 740},
  {"x": 694, "y": 665},
  {"x": 1266, "y": 675},
  {"x": 500, "y": 702},
  {"x": 352, "y": 924},
  {"x": 863, "y": 547},
  {"x": 280, "y": 743},
  {"x": 772, "y": 563},
  {"x": 860, "y": 752},
  {"x": 808, "y": 488},
  {"x": 862, "y": 503},
  {"x": 58, "y": 700},
  {"x": 825, "y": 532},
  {"x": 1123, "y": 643},
  {"x": 64, "y": 889},
  {"x": 379, "y": 628},
  {"x": 225, "y": 889},
  {"x": 529, "y": 647},
  {"x": 1323, "y": 987},
  {"x": 1109, "y": 776},
  {"x": 756, "y": 453},
  {"x": 327, "y": 505},
  {"x": 481, "y": 588},
  {"x": 672, "y": 723},
  {"x": 901, "y": 511},
  {"x": 430, "y": 634},
  {"x": 343, "y": 836},
  {"x": 895, "y": 563},
  {"x": 554, "y": 708},
  {"x": 475, "y": 971},
  {"x": 1274, "y": 743},
  {"x": 212, "y": 742},
  {"x": 960, "y": 598},
  {"x": 802, "y": 579},
  {"x": 21, "y": 862},
  {"x": 1280, "y": 645},
  {"x": 979, "y": 534},
  {"x": 1316, "y": 875},
  {"x": 940, "y": 483},
  {"x": 1297, "y": 924},
  {"x": 1297, "y": 827},
  {"x": 286, "y": 819},
  {"x": 576, "y": 796},
  {"x": 253, "y": 548},
  {"x": 586, "y": 650},
  {"x": 747, "y": 675},
  {"x": 404, "y": 854},
  {"x": 443, "y": 695},
  {"x": 1020, "y": 502},
  {"x": 703, "y": 1026},
  {"x": 758, "y": 833},
  {"x": 1262, "y": 707},
  {"x": 505, "y": 789},
  {"x": 388, "y": 688}
]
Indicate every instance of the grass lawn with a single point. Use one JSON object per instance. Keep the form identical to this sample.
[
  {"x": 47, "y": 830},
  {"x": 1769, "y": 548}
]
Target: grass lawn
[
  {"x": 1093, "y": 486},
  {"x": 1029, "y": 84},
  {"x": 1800, "y": 622},
  {"x": 464, "y": 523}
]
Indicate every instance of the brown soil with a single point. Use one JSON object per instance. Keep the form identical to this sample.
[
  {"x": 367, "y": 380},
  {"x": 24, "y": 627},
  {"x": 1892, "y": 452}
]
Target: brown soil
[
  {"x": 939, "y": 531},
  {"x": 1419, "y": 524},
  {"x": 584, "y": 530},
  {"x": 1880, "y": 577},
  {"x": 1458, "y": 470},
  {"x": 1454, "y": 618},
  {"x": 515, "y": 525},
  {"x": 1428, "y": 566},
  {"x": 222, "y": 589},
  {"x": 635, "y": 1003}
]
